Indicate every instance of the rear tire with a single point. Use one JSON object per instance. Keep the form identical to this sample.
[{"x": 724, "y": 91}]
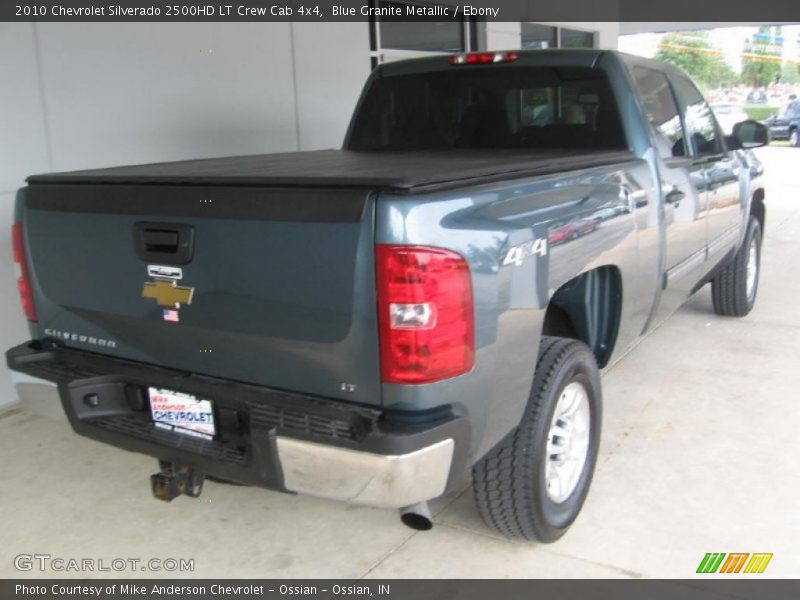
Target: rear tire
[
  {"x": 734, "y": 288},
  {"x": 524, "y": 487}
]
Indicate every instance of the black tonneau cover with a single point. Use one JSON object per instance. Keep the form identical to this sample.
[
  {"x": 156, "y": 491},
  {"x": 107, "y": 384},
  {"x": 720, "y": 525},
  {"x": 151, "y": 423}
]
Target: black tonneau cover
[{"x": 394, "y": 171}]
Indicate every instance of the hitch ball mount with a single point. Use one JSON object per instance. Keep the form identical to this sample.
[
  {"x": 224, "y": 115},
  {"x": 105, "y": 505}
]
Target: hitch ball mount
[{"x": 173, "y": 480}]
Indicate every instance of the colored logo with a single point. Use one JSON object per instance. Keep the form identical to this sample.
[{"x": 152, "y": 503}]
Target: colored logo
[
  {"x": 737, "y": 562},
  {"x": 167, "y": 293}
]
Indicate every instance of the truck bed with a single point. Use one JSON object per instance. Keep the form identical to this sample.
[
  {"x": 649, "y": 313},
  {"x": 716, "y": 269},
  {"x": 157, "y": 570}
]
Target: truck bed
[
  {"x": 402, "y": 172},
  {"x": 279, "y": 267}
]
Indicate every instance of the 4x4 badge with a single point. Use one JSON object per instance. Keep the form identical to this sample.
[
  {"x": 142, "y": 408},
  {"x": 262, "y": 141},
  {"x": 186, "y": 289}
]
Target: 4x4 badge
[{"x": 167, "y": 293}]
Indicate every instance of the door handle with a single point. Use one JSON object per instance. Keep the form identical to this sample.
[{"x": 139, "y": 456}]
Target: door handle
[
  {"x": 674, "y": 196},
  {"x": 160, "y": 240},
  {"x": 170, "y": 243}
]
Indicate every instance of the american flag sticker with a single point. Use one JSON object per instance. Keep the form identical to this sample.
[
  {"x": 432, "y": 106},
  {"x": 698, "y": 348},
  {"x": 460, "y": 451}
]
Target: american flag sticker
[{"x": 170, "y": 314}]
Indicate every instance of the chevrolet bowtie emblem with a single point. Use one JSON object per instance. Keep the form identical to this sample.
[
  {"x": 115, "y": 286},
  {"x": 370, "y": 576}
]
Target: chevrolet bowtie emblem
[{"x": 167, "y": 293}]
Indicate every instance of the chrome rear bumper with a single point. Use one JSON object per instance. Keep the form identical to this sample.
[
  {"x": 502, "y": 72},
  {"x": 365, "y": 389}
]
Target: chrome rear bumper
[{"x": 385, "y": 481}]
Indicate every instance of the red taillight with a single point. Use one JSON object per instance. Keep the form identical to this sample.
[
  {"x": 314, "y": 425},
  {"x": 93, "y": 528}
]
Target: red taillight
[
  {"x": 23, "y": 281},
  {"x": 424, "y": 314},
  {"x": 482, "y": 58}
]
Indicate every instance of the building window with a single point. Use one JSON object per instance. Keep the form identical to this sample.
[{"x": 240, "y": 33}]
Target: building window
[
  {"x": 572, "y": 38},
  {"x": 426, "y": 36},
  {"x": 538, "y": 37},
  {"x": 535, "y": 36},
  {"x": 398, "y": 40}
]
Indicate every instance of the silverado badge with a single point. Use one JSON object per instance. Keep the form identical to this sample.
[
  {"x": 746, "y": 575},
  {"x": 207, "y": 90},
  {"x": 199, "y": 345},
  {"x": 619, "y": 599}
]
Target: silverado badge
[{"x": 167, "y": 293}]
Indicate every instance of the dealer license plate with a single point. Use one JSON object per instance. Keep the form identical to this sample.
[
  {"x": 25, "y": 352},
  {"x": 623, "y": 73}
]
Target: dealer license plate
[{"x": 182, "y": 413}]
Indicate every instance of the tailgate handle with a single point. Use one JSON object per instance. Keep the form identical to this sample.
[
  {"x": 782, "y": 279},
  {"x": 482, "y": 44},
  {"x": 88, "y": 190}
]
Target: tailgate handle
[
  {"x": 158, "y": 240},
  {"x": 171, "y": 243}
]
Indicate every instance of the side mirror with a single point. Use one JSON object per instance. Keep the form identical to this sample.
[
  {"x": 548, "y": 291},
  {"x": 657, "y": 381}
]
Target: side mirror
[
  {"x": 733, "y": 143},
  {"x": 751, "y": 134}
]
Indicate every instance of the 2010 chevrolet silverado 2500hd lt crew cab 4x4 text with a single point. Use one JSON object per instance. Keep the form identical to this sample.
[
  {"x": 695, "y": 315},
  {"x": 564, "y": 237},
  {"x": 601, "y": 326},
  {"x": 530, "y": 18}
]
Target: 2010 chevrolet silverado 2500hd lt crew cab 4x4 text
[{"x": 431, "y": 303}]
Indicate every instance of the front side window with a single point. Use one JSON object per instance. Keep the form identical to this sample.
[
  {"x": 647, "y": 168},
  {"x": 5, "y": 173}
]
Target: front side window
[
  {"x": 702, "y": 128},
  {"x": 661, "y": 111},
  {"x": 490, "y": 107}
]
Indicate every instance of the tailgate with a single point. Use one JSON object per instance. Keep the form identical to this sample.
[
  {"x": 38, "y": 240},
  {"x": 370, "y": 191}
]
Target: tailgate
[{"x": 268, "y": 286}]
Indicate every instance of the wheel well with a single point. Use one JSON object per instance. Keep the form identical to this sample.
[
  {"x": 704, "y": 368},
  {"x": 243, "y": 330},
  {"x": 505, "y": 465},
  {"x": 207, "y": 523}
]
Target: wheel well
[
  {"x": 587, "y": 308},
  {"x": 757, "y": 208}
]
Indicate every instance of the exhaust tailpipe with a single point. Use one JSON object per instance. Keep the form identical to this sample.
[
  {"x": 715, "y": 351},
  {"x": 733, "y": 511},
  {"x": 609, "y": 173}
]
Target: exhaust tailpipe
[{"x": 417, "y": 516}]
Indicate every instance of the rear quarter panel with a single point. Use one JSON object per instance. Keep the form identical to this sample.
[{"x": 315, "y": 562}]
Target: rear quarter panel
[{"x": 484, "y": 223}]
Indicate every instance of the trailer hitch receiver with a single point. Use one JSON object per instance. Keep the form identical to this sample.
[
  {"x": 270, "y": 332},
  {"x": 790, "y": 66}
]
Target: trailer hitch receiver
[{"x": 174, "y": 479}]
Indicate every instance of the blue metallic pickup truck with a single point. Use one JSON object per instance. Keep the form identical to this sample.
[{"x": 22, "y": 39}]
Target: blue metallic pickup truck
[{"x": 430, "y": 305}]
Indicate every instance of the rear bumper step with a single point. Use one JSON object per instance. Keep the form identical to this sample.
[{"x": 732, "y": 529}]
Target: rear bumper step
[{"x": 267, "y": 437}]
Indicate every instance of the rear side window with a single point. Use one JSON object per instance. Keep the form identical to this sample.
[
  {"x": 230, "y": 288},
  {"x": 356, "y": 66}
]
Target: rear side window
[
  {"x": 661, "y": 111},
  {"x": 702, "y": 128},
  {"x": 490, "y": 107}
]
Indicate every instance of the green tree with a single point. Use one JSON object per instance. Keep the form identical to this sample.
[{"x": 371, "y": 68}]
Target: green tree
[
  {"x": 694, "y": 53},
  {"x": 790, "y": 73},
  {"x": 761, "y": 59}
]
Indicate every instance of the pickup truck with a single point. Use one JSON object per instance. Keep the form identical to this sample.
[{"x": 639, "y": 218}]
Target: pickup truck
[{"x": 383, "y": 323}]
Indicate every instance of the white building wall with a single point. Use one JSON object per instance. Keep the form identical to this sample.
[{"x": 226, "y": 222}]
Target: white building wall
[
  {"x": 119, "y": 93},
  {"x": 503, "y": 35},
  {"x": 23, "y": 149},
  {"x": 608, "y": 33},
  {"x": 332, "y": 63}
]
